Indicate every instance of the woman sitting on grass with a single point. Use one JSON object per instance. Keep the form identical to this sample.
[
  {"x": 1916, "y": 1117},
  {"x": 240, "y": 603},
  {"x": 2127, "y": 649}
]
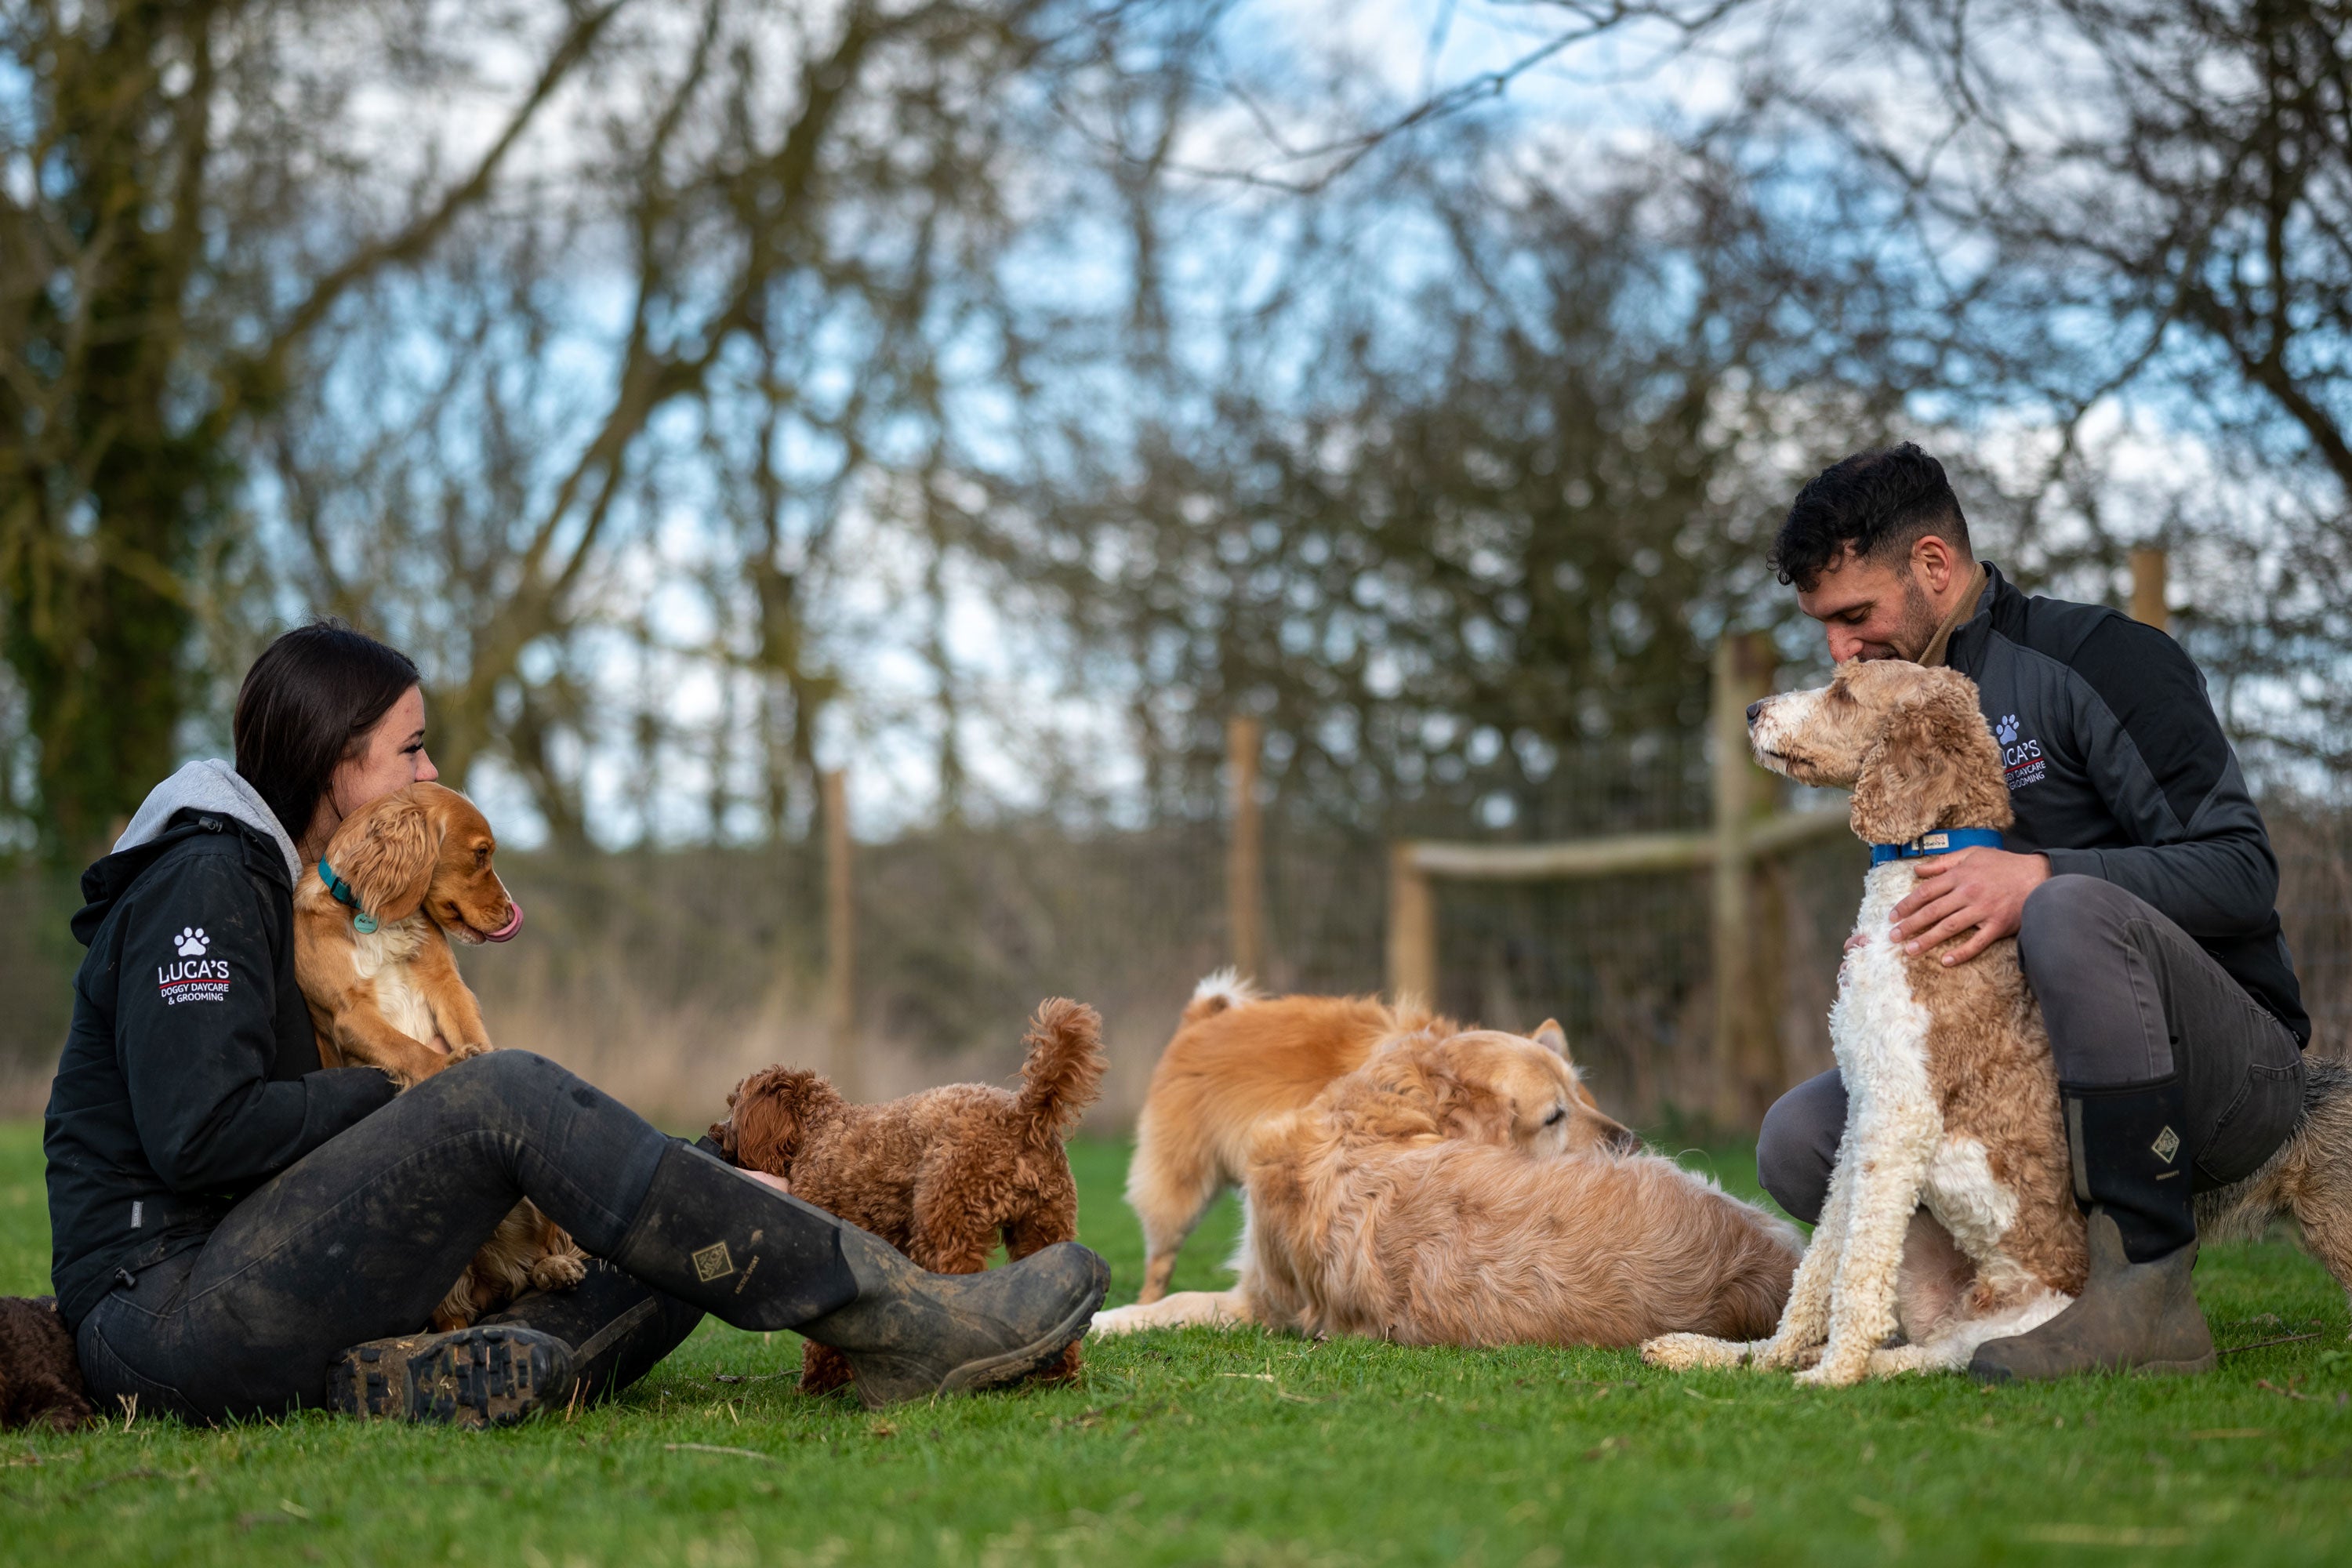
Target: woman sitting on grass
[{"x": 239, "y": 1231}]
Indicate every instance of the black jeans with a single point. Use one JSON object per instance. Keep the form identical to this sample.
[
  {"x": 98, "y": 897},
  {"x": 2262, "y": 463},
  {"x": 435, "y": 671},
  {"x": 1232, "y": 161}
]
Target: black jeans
[
  {"x": 2128, "y": 997},
  {"x": 361, "y": 1239}
]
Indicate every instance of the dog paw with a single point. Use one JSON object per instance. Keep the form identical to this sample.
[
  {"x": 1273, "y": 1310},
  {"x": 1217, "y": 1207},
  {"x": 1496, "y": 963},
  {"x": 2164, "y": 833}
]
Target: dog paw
[
  {"x": 467, "y": 1052},
  {"x": 1778, "y": 1356},
  {"x": 558, "y": 1271},
  {"x": 1118, "y": 1319},
  {"x": 1689, "y": 1353},
  {"x": 1897, "y": 1361},
  {"x": 1833, "y": 1374}
]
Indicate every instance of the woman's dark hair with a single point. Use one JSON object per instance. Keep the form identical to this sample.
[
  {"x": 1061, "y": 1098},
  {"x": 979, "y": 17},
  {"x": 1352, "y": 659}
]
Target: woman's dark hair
[
  {"x": 306, "y": 705},
  {"x": 1877, "y": 503}
]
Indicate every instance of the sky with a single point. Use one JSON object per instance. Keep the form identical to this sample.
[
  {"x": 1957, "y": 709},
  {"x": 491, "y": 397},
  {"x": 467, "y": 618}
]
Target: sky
[
  {"x": 1391, "y": 52},
  {"x": 1381, "y": 54}
]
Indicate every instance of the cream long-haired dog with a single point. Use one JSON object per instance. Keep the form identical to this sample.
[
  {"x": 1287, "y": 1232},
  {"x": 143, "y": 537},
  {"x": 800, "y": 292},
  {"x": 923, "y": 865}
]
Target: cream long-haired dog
[
  {"x": 1429, "y": 1197},
  {"x": 1237, "y": 1060},
  {"x": 371, "y": 953},
  {"x": 1953, "y": 1142}
]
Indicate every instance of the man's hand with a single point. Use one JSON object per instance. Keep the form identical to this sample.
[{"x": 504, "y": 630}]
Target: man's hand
[{"x": 1985, "y": 889}]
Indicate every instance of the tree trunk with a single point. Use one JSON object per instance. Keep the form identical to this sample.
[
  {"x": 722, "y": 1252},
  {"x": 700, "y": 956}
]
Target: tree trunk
[{"x": 108, "y": 499}]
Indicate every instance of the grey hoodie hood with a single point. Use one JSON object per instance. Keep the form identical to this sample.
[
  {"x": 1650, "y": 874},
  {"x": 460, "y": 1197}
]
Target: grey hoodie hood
[{"x": 214, "y": 786}]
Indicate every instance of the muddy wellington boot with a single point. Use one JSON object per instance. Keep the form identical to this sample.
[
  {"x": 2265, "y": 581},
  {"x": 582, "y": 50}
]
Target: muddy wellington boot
[
  {"x": 2131, "y": 1316},
  {"x": 485, "y": 1375},
  {"x": 2138, "y": 1311},
  {"x": 912, "y": 1333},
  {"x": 762, "y": 1260}
]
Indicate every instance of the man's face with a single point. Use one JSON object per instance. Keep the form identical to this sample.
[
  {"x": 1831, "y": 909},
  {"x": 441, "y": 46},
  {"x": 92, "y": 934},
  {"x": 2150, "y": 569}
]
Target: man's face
[{"x": 1872, "y": 609}]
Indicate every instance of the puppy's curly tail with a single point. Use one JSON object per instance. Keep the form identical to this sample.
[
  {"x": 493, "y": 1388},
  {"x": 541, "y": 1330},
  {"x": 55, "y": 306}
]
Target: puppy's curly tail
[
  {"x": 1220, "y": 992},
  {"x": 1064, "y": 1072}
]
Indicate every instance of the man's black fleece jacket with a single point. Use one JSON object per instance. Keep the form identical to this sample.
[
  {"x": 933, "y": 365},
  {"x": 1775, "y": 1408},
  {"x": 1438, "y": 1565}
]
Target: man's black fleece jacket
[
  {"x": 190, "y": 1074},
  {"x": 2118, "y": 769}
]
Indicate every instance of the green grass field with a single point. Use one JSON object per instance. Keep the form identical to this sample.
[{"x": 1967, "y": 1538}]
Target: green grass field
[{"x": 1249, "y": 1448}]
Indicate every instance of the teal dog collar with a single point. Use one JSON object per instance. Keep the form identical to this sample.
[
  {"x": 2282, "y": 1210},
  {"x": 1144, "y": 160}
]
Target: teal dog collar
[{"x": 362, "y": 922}]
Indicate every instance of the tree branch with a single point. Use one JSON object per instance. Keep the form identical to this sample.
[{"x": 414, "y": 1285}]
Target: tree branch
[{"x": 257, "y": 377}]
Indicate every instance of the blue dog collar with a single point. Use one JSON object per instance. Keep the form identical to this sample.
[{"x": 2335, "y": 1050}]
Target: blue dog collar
[
  {"x": 362, "y": 922},
  {"x": 1942, "y": 842}
]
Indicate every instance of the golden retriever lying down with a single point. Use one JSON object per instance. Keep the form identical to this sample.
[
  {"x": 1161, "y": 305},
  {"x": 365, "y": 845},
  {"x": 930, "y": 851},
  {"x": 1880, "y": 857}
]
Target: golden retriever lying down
[
  {"x": 1427, "y": 1197},
  {"x": 1239, "y": 1059}
]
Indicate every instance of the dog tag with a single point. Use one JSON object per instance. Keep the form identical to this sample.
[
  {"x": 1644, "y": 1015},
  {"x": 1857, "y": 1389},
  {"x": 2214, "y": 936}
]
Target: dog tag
[{"x": 364, "y": 923}]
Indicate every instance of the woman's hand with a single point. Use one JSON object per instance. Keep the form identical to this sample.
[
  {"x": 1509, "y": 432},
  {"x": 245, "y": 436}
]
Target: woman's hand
[{"x": 766, "y": 1179}]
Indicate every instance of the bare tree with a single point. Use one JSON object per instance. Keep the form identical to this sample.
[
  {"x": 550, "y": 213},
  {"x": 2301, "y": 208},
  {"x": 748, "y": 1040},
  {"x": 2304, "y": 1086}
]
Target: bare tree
[
  {"x": 799, "y": 228},
  {"x": 2129, "y": 224},
  {"x": 447, "y": 372},
  {"x": 1463, "y": 481},
  {"x": 182, "y": 209}
]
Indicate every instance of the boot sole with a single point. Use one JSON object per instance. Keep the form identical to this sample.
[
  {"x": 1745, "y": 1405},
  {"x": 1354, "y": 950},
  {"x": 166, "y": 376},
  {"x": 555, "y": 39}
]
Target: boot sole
[
  {"x": 474, "y": 1377},
  {"x": 994, "y": 1372}
]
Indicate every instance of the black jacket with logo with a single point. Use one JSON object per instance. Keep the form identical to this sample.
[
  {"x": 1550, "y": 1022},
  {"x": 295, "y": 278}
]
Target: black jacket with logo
[
  {"x": 190, "y": 1074},
  {"x": 2118, "y": 769}
]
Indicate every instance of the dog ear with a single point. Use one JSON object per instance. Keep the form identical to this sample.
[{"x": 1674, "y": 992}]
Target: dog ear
[
  {"x": 722, "y": 1131},
  {"x": 762, "y": 1125},
  {"x": 1553, "y": 1038},
  {"x": 1393, "y": 1095},
  {"x": 386, "y": 853},
  {"x": 1905, "y": 781},
  {"x": 1469, "y": 1108},
  {"x": 1895, "y": 798},
  {"x": 1934, "y": 764}
]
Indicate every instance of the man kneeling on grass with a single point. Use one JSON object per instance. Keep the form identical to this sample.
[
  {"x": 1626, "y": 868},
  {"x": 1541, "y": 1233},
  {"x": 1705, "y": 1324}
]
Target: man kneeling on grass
[{"x": 2138, "y": 881}]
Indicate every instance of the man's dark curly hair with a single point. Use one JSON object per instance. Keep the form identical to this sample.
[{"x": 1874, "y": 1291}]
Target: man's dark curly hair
[{"x": 1879, "y": 503}]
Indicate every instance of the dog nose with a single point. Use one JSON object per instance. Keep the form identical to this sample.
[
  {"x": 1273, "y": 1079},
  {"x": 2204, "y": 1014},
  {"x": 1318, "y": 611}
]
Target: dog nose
[
  {"x": 1754, "y": 708},
  {"x": 1625, "y": 1140}
]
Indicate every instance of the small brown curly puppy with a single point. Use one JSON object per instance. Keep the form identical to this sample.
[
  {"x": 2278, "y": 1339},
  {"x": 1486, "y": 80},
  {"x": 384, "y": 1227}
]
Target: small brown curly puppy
[
  {"x": 939, "y": 1175},
  {"x": 40, "y": 1376}
]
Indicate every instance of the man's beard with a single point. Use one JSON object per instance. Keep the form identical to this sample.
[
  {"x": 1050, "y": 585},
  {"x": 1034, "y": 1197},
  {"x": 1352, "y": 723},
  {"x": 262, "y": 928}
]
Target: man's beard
[{"x": 1920, "y": 620}]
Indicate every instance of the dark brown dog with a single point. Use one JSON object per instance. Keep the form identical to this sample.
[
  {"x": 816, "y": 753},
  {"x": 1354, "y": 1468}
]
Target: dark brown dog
[
  {"x": 939, "y": 1175},
  {"x": 40, "y": 1376}
]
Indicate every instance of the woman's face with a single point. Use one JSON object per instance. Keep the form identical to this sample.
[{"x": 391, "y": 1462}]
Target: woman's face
[{"x": 392, "y": 757}]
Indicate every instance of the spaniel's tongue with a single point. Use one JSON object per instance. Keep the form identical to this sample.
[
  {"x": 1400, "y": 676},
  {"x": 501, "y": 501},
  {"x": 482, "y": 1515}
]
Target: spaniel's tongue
[{"x": 506, "y": 931}]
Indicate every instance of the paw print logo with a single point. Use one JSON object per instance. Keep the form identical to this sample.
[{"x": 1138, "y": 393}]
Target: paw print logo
[
  {"x": 2006, "y": 729},
  {"x": 192, "y": 942}
]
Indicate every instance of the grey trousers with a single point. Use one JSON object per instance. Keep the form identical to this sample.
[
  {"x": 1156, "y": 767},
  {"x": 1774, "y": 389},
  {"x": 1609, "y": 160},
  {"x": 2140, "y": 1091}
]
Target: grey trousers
[{"x": 2128, "y": 997}]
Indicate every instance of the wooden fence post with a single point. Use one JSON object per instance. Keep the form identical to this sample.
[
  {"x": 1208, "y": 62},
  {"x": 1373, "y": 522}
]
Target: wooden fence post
[
  {"x": 2150, "y": 570},
  {"x": 840, "y": 937},
  {"x": 1245, "y": 851},
  {"x": 1412, "y": 926},
  {"x": 1746, "y": 1059}
]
